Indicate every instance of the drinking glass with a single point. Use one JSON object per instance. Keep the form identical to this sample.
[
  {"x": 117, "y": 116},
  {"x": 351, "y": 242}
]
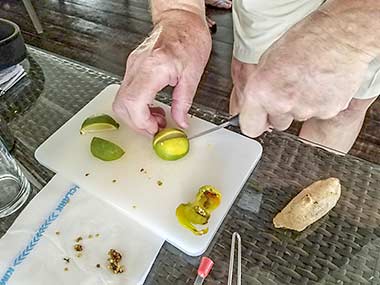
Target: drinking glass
[{"x": 14, "y": 187}]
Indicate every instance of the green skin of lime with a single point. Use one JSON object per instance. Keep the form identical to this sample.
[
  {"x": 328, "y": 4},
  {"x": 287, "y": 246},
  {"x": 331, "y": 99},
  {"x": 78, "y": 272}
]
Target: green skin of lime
[
  {"x": 96, "y": 120},
  {"x": 172, "y": 145},
  {"x": 105, "y": 150}
]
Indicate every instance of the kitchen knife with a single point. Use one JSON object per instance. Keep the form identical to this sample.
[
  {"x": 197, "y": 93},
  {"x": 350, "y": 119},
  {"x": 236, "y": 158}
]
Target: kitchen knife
[{"x": 233, "y": 121}]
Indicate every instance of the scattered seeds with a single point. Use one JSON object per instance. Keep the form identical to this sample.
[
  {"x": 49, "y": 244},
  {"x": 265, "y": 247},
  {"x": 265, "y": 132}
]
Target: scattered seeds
[
  {"x": 134, "y": 206},
  {"x": 98, "y": 265},
  {"x": 159, "y": 183},
  {"x": 78, "y": 247},
  {"x": 87, "y": 174},
  {"x": 90, "y": 236},
  {"x": 67, "y": 259},
  {"x": 114, "y": 259},
  {"x": 97, "y": 235},
  {"x": 142, "y": 170},
  {"x": 113, "y": 181},
  {"x": 78, "y": 239},
  {"x": 66, "y": 269},
  {"x": 57, "y": 233}
]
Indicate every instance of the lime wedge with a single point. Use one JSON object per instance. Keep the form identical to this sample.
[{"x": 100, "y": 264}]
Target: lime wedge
[
  {"x": 98, "y": 123},
  {"x": 105, "y": 150}
]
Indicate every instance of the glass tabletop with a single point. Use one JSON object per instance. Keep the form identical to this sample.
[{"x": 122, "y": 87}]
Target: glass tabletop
[{"x": 341, "y": 248}]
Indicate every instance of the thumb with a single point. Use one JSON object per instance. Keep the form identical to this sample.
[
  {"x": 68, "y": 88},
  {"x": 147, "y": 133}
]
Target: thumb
[{"x": 183, "y": 95}]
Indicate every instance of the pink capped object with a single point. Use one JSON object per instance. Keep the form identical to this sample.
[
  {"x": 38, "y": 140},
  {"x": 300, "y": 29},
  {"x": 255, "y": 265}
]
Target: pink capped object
[
  {"x": 205, "y": 267},
  {"x": 203, "y": 270}
]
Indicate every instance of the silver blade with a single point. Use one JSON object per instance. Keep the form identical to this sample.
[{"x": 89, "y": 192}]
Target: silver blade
[{"x": 226, "y": 124}]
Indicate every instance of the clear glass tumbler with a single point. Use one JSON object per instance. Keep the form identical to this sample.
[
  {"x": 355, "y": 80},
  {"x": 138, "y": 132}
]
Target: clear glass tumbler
[{"x": 14, "y": 187}]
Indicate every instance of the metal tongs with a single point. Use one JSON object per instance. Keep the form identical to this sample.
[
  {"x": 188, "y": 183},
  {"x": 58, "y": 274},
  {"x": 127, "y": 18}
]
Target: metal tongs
[{"x": 235, "y": 236}]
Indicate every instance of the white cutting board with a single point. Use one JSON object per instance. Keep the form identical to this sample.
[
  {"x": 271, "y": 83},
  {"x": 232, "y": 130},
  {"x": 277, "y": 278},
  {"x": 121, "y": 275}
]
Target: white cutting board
[{"x": 223, "y": 159}]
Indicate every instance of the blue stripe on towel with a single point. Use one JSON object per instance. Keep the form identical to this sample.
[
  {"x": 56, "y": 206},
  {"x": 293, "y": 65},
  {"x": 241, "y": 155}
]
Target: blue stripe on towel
[{"x": 38, "y": 234}]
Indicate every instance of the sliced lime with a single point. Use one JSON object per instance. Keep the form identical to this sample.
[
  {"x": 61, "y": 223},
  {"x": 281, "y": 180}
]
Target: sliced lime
[
  {"x": 166, "y": 134},
  {"x": 105, "y": 150},
  {"x": 171, "y": 144},
  {"x": 98, "y": 123}
]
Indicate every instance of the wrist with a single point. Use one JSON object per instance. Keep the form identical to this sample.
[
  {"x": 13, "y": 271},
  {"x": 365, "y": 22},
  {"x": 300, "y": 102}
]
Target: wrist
[
  {"x": 185, "y": 28},
  {"x": 161, "y": 7},
  {"x": 182, "y": 35}
]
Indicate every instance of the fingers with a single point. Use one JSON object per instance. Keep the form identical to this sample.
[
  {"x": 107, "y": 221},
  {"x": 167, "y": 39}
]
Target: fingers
[
  {"x": 210, "y": 22},
  {"x": 133, "y": 98},
  {"x": 183, "y": 95},
  {"x": 159, "y": 114},
  {"x": 253, "y": 118},
  {"x": 134, "y": 112},
  {"x": 280, "y": 122},
  {"x": 234, "y": 102}
]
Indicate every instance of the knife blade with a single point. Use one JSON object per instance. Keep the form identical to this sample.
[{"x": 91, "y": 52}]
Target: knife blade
[{"x": 233, "y": 121}]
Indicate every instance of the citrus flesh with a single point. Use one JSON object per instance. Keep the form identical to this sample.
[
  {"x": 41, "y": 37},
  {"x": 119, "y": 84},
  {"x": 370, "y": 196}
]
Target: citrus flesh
[{"x": 98, "y": 123}]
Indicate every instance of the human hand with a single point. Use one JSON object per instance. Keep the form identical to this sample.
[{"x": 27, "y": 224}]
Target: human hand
[
  {"x": 311, "y": 72},
  {"x": 175, "y": 54}
]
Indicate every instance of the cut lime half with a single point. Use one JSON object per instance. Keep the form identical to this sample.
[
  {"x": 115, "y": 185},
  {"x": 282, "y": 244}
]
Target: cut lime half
[
  {"x": 105, "y": 150},
  {"x": 98, "y": 123}
]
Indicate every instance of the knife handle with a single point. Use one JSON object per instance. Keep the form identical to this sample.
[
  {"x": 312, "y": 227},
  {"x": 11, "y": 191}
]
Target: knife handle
[{"x": 234, "y": 121}]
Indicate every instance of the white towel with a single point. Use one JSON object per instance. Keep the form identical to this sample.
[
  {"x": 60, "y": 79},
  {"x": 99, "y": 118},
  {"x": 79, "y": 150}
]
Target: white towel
[
  {"x": 34, "y": 248},
  {"x": 10, "y": 76}
]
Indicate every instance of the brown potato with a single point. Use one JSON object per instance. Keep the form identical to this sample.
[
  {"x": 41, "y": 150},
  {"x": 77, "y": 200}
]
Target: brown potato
[{"x": 311, "y": 204}]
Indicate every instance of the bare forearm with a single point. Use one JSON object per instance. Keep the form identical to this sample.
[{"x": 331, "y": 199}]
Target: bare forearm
[
  {"x": 160, "y": 7},
  {"x": 355, "y": 22}
]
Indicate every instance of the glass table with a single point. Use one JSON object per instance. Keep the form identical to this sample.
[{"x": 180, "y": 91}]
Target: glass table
[{"x": 341, "y": 248}]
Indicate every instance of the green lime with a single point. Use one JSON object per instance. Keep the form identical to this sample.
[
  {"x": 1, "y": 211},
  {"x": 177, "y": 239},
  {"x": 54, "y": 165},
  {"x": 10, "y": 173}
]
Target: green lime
[
  {"x": 105, "y": 150},
  {"x": 171, "y": 144},
  {"x": 167, "y": 134},
  {"x": 98, "y": 123}
]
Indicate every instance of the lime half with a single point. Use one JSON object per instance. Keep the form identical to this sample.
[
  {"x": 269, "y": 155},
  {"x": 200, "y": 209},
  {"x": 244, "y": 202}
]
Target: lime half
[
  {"x": 105, "y": 150},
  {"x": 98, "y": 123}
]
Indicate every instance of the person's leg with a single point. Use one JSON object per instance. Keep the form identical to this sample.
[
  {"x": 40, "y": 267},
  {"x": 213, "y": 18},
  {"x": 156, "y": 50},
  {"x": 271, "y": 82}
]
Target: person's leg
[
  {"x": 223, "y": 4},
  {"x": 211, "y": 23},
  {"x": 340, "y": 132}
]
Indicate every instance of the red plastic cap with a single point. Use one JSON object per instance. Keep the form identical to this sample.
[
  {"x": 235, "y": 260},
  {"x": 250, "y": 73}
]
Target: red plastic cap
[{"x": 205, "y": 267}]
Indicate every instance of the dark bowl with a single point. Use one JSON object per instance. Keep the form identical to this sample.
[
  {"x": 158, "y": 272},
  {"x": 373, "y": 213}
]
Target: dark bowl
[{"x": 12, "y": 46}]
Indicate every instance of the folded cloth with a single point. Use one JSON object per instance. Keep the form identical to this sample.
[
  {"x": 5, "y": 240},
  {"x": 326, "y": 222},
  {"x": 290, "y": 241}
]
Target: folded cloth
[
  {"x": 39, "y": 246},
  {"x": 10, "y": 76},
  {"x": 8, "y": 73}
]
